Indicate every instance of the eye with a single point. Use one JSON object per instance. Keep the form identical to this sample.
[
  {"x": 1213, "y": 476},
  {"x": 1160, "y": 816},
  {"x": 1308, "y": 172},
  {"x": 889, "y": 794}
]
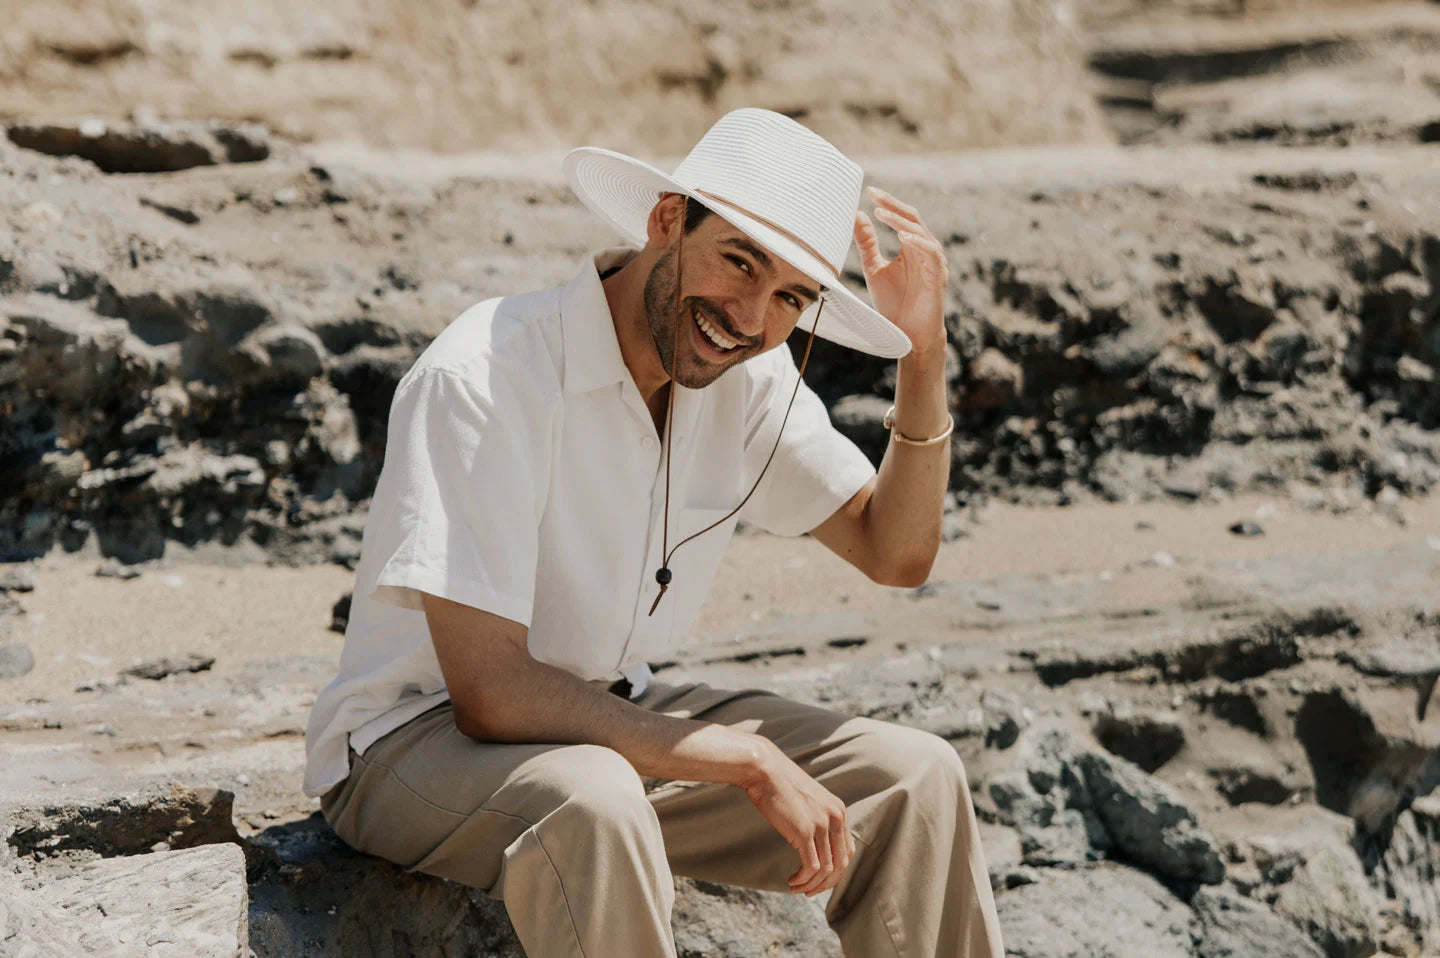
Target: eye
[
  {"x": 738, "y": 261},
  {"x": 791, "y": 298}
]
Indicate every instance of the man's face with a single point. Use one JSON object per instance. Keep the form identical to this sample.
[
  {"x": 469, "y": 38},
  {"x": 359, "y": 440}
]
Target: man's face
[{"x": 737, "y": 300}]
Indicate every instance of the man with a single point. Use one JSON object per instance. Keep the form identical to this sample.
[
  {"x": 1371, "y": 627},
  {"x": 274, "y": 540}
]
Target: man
[{"x": 563, "y": 471}]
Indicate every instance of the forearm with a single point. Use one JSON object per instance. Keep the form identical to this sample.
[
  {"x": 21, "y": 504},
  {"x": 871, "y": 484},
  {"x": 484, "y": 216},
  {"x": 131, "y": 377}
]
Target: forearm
[
  {"x": 903, "y": 515},
  {"x": 530, "y": 701}
]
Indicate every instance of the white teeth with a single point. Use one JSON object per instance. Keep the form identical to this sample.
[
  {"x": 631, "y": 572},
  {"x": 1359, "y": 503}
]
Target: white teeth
[{"x": 720, "y": 340}]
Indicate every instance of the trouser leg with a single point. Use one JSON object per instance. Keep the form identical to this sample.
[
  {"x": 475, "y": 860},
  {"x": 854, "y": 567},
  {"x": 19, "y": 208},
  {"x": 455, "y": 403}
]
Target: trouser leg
[
  {"x": 917, "y": 886},
  {"x": 561, "y": 833}
]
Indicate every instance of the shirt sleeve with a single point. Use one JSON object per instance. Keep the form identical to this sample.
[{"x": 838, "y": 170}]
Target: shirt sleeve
[
  {"x": 816, "y": 469},
  {"x": 461, "y": 495}
]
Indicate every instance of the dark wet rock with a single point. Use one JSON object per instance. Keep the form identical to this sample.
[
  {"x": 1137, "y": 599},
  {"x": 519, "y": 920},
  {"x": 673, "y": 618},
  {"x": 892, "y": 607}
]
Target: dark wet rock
[
  {"x": 1149, "y": 739},
  {"x": 1237, "y": 704},
  {"x": 118, "y": 147},
  {"x": 1247, "y": 528},
  {"x": 126, "y": 824},
  {"x": 340, "y": 614},
  {"x": 1233, "y": 926},
  {"x": 15, "y": 660},
  {"x": 1055, "y": 915},
  {"x": 1149, "y": 823},
  {"x": 862, "y": 419},
  {"x": 170, "y": 665}
]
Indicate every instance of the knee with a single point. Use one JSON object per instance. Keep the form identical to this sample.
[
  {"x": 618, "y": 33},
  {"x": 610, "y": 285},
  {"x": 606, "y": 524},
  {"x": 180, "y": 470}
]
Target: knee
[
  {"x": 912, "y": 758},
  {"x": 602, "y": 785}
]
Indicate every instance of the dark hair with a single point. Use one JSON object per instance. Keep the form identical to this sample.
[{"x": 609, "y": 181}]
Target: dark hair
[{"x": 695, "y": 213}]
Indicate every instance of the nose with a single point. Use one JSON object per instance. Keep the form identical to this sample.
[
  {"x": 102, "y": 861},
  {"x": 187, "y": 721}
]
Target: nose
[{"x": 747, "y": 313}]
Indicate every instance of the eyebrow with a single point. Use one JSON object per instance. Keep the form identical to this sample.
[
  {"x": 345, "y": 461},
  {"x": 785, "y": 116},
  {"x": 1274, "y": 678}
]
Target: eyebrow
[{"x": 746, "y": 246}]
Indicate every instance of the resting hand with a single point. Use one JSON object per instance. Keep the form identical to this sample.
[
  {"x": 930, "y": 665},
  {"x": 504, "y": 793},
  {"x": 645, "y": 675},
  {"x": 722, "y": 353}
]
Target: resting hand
[{"x": 807, "y": 816}]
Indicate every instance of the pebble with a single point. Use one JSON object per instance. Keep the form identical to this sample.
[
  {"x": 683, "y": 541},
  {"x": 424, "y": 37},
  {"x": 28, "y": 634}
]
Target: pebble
[
  {"x": 1163, "y": 559},
  {"x": 242, "y": 779},
  {"x": 1247, "y": 528},
  {"x": 113, "y": 568},
  {"x": 15, "y": 661}
]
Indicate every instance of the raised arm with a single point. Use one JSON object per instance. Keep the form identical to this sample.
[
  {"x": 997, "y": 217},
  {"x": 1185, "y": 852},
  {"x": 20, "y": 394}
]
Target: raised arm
[{"x": 890, "y": 529}]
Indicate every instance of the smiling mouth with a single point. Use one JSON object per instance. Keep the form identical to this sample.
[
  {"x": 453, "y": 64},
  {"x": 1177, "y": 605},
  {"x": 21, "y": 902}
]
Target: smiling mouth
[{"x": 712, "y": 333}]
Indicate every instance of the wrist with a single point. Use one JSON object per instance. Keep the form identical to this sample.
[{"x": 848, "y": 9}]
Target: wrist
[{"x": 755, "y": 760}]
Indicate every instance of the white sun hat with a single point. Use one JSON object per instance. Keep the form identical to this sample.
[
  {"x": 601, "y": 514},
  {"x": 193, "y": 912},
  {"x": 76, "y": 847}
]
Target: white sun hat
[{"x": 781, "y": 184}]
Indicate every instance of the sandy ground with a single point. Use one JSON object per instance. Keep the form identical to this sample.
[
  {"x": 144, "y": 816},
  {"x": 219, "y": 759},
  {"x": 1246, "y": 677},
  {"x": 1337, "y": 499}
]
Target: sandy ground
[{"x": 81, "y": 627}]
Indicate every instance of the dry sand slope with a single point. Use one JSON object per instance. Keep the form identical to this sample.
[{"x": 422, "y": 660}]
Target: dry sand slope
[{"x": 252, "y": 219}]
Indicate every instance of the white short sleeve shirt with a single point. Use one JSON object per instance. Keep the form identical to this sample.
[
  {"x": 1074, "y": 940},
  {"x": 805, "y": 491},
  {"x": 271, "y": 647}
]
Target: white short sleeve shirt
[{"x": 523, "y": 475}]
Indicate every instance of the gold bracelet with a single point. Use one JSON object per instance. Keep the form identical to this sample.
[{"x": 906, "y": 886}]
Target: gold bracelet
[{"x": 901, "y": 437}]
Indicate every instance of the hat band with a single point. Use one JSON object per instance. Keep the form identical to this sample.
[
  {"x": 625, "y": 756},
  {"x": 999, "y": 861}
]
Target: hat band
[{"x": 774, "y": 226}]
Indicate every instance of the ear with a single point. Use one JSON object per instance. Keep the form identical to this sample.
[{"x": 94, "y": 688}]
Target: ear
[{"x": 666, "y": 220}]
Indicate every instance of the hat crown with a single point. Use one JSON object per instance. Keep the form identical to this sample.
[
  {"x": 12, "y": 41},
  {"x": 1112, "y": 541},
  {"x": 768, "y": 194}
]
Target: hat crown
[{"x": 775, "y": 169}]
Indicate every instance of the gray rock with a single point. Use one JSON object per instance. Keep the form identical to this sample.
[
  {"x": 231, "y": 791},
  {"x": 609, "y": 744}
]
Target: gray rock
[
  {"x": 1149, "y": 823},
  {"x": 113, "y": 568},
  {"x": 1397, "y": 657},
  {"x": 1149, "y": 739},
  {"x": 340, "y": 613},
  {"x": 312, "y": 895},
  {"x": 18, "y": 578},
  {"x": 169, "y": 904},
  {"x": 126, "y": 824},
  {"x": 285, "y": 355},
  {"x": 1232, "y": 926},
  {"x": 170, "y": 665},
  {"x": 1060, "y": 915},
  {"x": 118, "y": 147},
  {"x": 15, "y": 660},
  {"x": 1411, "y": 868},
  {"x": 1329, "y": 898}
]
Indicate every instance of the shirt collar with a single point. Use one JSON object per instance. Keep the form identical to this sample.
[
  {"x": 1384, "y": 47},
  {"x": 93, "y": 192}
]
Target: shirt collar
[{"x": 592, "y": 352}]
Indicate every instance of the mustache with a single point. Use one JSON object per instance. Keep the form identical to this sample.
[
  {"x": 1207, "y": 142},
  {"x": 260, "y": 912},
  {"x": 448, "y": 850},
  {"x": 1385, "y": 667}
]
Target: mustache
[{"x": 720, "y": 320}]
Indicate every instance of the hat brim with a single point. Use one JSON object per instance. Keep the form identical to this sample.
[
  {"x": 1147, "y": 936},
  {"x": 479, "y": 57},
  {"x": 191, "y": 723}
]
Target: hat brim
[{"x": 622, "y": 191}]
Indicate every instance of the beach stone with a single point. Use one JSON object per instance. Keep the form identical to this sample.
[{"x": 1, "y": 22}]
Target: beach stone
[
  {"x": 1055, "y": 915},
  {"x": 170, "y": 665},
  {"x": 1149, "y": 823},
  {"x": 15, "y": 660},
  {"x": 340, "y": 613},
  {"x": 1233, "y": 926},
  {"x": 1410, "y": 868},
  {"x": 168, "y": 904},
  {"x": 125, "y": 824},
  {"x": 313, "y": 895},
  {"x": 1328, "y": 896},
  {"x": 20, "y": 578}
]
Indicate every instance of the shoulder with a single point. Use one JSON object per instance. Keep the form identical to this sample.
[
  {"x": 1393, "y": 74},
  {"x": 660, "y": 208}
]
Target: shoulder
[{"x": 499, "y": 346}]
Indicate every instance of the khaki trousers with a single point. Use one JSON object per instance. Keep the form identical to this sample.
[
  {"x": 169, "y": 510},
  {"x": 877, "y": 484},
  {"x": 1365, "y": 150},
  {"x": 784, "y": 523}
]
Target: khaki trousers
[{"x": 582, "y": 850}]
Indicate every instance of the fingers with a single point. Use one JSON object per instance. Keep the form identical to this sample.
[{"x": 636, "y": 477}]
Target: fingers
[
  {"x": 836, "y": 847},
  {"x": 809, "y": 864},
  {"x": 889, "y": 203},
  {"x": 871, "y": 259}
]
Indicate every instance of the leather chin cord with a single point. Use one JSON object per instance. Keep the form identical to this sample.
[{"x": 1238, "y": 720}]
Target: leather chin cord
[{"x": 663, "y": 575}]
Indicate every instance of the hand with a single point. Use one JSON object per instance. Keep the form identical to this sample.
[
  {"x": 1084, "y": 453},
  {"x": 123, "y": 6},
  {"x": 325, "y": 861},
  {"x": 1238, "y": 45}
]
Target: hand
[
  {"x": 807, "y": 816},
  {"x": 910, "y": 289}
]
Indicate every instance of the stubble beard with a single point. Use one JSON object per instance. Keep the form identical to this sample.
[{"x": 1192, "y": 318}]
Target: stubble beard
[{"x": 664, "y": 327}]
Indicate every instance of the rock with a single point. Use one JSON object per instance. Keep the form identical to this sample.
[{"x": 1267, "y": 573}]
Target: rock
[
  {"x": 145, "y": 148},
  {"x": 19, "y": 578},
  {"x": 1253, "y": 782},
  {"x": 340, "y": 614},
  {"x": 115, "y": 569},
  {"x": 312, "y": 895},
  {"x": 861, "y": 418},
  {"x": 1247, "y": 527},
  {"x": 170, "y": 665},
  {"x": 1232, "y": 926},
  {"x": 170, "y": 904},
  {"x": 1056, "y": 915},
  {"x": 1005, "y": 718},
  {"x": 285, "y": 356},
  {"x": 125, "y": 824},
  {"x": 1410, "y": 868},
  {"x": 1149, "y": 739},
  {"x": 15, "y": 661},
  {"x": 992, "y": 380},
  {"x": 1329, "y": 898},
  {"x": 1149, "y": 823},
  {"x": 1397, "y": 658}
]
